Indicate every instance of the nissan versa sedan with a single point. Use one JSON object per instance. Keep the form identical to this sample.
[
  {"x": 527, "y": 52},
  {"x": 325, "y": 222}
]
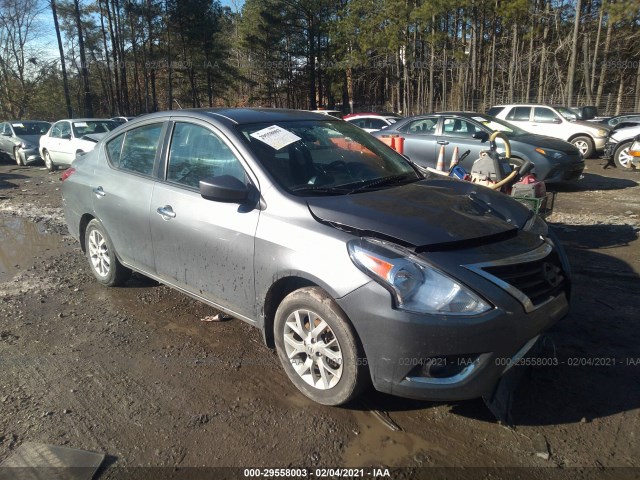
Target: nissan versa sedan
[
  {"x": 355, "y": 266},
  {"x": 555, "y": 160},
  {"x": 19, "y": 139}
]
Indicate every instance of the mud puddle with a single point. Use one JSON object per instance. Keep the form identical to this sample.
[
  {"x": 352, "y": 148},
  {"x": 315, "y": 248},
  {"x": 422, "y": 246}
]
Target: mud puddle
[{"x": 22, "y": 240}]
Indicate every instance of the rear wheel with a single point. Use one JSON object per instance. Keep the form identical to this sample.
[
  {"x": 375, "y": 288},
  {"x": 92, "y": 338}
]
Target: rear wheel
[
  {"x": 621, "y": 156},
  {"x": 584, "y": 144},
  {"x": 52, "y": 167},
  {"x": 318, "y": 348},
  {"x": 104, "y": 264}
]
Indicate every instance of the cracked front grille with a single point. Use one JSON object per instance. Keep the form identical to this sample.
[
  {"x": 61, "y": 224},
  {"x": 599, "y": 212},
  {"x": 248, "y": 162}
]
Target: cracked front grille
[{"x": 539, "y": 280}]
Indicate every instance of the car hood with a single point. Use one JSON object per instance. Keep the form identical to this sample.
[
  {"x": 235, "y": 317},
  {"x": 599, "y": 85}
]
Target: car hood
[
  {"x": 29, "y": 139},
  {"x": 545, "y": 142},
  {"x": 591, "y": 125},
  {"x": 625, "y": 133},
  {"x": 426, "y": 213},
  {"x": 93, "y": 137}
]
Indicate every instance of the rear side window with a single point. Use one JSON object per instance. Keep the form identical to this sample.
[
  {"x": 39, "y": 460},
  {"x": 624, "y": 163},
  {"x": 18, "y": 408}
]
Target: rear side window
[
  {"x": 135, "y": 150},
  {"x": 520, "y": 114},
  {"x": 424, "y": 126},
  {"x": 56, "y": 131},
  {"x": 197, "y": 153},
  {"x": 493, "y": 111},
  {"x": 65, "y": 130}
]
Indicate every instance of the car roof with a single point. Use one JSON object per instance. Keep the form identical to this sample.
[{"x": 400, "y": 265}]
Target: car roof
[
  {"x": 84, "y": 120},
  {"x": 242, "y": 115}
]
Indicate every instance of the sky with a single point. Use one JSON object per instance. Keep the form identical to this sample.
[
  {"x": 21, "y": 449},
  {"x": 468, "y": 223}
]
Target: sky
[{"x": 48, "y": 44}]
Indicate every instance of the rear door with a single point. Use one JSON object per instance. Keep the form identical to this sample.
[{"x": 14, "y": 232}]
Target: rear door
[
  {"x": 420, "y": 140},
  {"x": 123, "y": 189},
  {"x": 203, "y": 246},
  {"x": 520, "y": 116}
]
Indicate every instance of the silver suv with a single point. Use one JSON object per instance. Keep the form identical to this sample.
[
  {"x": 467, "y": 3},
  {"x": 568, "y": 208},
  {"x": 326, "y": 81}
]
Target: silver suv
[{"x": 558, "y": 122}]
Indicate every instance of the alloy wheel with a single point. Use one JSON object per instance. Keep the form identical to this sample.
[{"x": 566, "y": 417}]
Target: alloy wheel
[
  {"x": 313, "y": 349},
  {"x": 624, "y": 159},
  {"x": 99, "y": 253}
]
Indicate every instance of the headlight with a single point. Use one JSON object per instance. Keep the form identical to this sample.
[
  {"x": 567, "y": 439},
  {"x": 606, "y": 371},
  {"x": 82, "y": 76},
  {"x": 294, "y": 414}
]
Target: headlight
[
  {"x": 415, "y": 285},
  {"x": 602, "y": 133},
  {"x": 549, "y": 153},
  {"x": 536, "y": 225}
]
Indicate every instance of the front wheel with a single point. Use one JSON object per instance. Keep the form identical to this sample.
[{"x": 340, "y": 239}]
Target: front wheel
[
  {"x": 16, "y": 157},
  {"x": 584, "y": 144},
  {"x": 318, "y": 348},
  {"x": 621, "y": 156},
  {"x": 104, "y": 264},
  {"x": 52, "y": 167}
]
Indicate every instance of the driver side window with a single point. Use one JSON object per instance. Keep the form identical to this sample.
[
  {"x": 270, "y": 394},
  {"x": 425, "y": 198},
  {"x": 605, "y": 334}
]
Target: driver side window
[
  {"x": 197, "y": 153},
  {"x": 544, "y": 115}
]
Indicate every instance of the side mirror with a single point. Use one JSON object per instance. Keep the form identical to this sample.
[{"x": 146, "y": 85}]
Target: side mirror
[
  {"x": 557, "y": 120},
  {"x": 6, "y": 134},
  {"x": 224, "y": 188},
  {"x": 66, "y": 137},
  {"x": 483, "y": 136}
]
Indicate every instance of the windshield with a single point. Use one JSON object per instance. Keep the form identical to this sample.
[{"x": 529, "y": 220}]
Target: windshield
[
  {"x": 498, "y": 125},
  {"x": 30, "y": 128},
  {"x": 316, "y": 157},
  {"x": 87, "y": 127}
]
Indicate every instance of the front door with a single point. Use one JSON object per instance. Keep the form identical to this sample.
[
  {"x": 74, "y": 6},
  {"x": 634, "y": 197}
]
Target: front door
[
  {"x": 203, "y": 246},
  {"x": 420, "y": 141}
]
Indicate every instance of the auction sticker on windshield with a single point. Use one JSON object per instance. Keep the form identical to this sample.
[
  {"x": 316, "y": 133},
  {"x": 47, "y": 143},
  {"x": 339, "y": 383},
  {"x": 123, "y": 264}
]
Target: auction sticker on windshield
[
  {"x": 276, "y": 137},
  {"x": 80, "y": 124}
]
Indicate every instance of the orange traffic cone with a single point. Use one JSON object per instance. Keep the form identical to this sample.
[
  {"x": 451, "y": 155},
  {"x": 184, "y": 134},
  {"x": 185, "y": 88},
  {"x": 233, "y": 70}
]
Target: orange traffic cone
[
  {"x": 440, "y": 164},
  {"x": 454, "y": 158}
]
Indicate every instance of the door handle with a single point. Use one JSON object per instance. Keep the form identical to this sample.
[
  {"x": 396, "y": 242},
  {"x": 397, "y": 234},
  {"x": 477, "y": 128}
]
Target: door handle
[
  {"x": 99, "y": 192},
  {"x": 166, "y": 212},
  {"x": 443, "y": 142}
]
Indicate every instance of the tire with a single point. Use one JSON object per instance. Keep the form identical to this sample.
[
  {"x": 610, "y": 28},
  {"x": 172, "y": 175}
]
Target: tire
[
  {"x": 104, "y": 264},
  {"x": 584, "y": 144},
  {"x": 621, "y": 156},
  {"x": 17, "y": 158},
  {"x": 327, "y": 375},
  {"x": 52, "y": 167}
]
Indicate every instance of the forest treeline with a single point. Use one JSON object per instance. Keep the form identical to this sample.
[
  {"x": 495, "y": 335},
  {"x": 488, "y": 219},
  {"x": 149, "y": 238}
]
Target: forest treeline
[{"x": 63, "y": 58}]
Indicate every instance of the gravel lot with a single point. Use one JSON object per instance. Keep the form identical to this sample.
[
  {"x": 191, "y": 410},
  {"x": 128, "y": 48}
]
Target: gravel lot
[{"x": 135, "y": 374}]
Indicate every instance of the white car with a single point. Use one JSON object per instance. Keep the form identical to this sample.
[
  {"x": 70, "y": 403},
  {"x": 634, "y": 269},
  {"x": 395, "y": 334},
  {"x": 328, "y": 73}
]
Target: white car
[
  {"x": 371, "y": 122},
  {"x": 617, "y": 147},
  {"x": 555, "y": 122},
  {"x": 68, "y": 138}
]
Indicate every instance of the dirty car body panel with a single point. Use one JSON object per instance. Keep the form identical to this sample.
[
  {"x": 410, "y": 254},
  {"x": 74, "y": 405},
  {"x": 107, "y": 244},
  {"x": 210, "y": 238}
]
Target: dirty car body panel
[{"x": 316, "y": 196}]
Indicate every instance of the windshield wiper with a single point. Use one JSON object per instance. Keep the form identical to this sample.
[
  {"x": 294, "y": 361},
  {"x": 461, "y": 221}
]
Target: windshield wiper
[
  {"x": 379, "y": 182},
  {"x": 320, "y": 189}
]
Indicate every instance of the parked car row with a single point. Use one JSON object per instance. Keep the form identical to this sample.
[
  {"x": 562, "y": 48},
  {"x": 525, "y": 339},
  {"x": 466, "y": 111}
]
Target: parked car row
[{"x": 31, "y": 141}]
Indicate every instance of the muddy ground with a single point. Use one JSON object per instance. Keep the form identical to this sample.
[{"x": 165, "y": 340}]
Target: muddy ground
[{"x": 135, "y": 374}]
